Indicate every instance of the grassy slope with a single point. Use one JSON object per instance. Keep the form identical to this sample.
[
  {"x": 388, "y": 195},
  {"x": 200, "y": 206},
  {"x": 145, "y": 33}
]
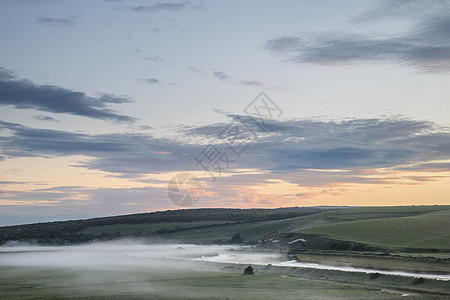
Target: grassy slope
[
  {"x": 258, "y": 230},
  {"x": 425, "y": 230},
  {"x": 253, "y": 231},
  {"x": 146, "y": 227},
  {"x": 361, "y": 213},
  {"x": 404, "y": 226}
]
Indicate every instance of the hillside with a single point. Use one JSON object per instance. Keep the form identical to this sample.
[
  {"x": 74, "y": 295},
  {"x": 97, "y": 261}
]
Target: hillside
[
  {"x": 142, "y": 225},
  {"x": 258, "y": 230},
  {"x": 427, "y": 230},
  {"x": 358, "y": 228}
]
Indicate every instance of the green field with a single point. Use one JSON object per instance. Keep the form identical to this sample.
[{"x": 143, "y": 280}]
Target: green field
[
  {"x": 144, "y": 228},
  {"x": 426, "y": 230},
  {"x": 404, "y": 231},
  {"x": 360, "y": 213},
  {"x": 394, "y": 227},
  {"x": 419, "y": 226},
  {"x": 219, "y": 225},
  {"x": 250, "y": 231},
  {"x": 144, "y": 283}
]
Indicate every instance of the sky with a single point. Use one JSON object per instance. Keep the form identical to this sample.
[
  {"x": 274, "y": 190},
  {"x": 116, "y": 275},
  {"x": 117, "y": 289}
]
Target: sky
[{"x": 108, "y": 107}]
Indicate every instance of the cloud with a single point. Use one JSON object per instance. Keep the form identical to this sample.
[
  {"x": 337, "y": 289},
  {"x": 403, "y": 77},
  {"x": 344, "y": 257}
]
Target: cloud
[
  {"x": 426, "y": 47},
  {"x": 404, "y": 9},
  {"x": 196, "y": 70},
  {"x": 363, "y": 143},
  {"x": 24, "y": 140},
  {"x": 151, "y": 81},
  {"x": 45, "y": 118},
  {"x": 23, "y": 94},
  {"x": 283, "y": 147},
  {"x": 156, "y": 59},
  {"x": 57, "y": 22},
  {"x": 125, "y": 153},
  {"x": 322, "y": 156},
  {"x": 428, "y": 166},
  {"x": 162, "y": 6},
  {"x": 221, "y": 75},
  {"x": 251, "y": 83},
  {"x": 141, "y": 54},
  {"x": 156, "y": 29},
  {"x": 103, "y": 201}
]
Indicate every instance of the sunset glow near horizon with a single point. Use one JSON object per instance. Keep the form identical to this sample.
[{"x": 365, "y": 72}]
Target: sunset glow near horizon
[{"x": 102, "y": 103}]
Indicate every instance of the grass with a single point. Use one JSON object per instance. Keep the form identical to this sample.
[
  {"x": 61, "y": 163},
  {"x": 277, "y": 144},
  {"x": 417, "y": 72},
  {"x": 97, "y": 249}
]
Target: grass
[
  {"x": 147, "y": 227},
  {"x": 427, "y": 230},
  {"x": 252, "y": 231},
  {"x": 362, "y": 213},
  {"x": 390, "y": 227},
  {"x": 140, "y": 283},
  {"x": 257, "y": 230}
]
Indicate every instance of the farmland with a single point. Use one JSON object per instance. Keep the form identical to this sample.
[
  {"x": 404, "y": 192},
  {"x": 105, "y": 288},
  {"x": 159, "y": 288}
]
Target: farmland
[
  {"x": 144, "y": 283},
  {"x": 427, "y": 230},
  {"x": 131, "y": 255}
]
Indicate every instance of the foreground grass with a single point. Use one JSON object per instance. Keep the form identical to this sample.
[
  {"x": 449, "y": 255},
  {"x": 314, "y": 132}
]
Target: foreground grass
[
  {"x": 428, "y": 230},
  {"x": 144, "y": 283}
]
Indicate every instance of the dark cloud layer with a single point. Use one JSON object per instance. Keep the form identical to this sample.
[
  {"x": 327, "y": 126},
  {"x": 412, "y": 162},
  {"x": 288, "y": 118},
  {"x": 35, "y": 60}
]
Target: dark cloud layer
[
  {"x": 22, "y": 94},
  {"x": 283, "y": 147},
  {"x": 117, "y": 153},
  {"x": 368, "y": 143},
  {"x": 426, "y": 47}
]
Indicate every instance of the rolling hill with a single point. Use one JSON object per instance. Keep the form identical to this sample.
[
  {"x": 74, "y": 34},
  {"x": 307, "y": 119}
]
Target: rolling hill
[
  {"x": 384, "y": 227},
  {"x": 426, "y": 230}
]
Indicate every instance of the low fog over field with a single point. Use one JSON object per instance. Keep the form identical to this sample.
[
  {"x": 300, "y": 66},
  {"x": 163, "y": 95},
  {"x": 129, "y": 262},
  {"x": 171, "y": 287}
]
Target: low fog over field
[
  {"x": 132, "y": 253},
  {"x": 105, "y": 269},
  {"x": 130, "y": 268},
  {"x": 108, "y": 255}
]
